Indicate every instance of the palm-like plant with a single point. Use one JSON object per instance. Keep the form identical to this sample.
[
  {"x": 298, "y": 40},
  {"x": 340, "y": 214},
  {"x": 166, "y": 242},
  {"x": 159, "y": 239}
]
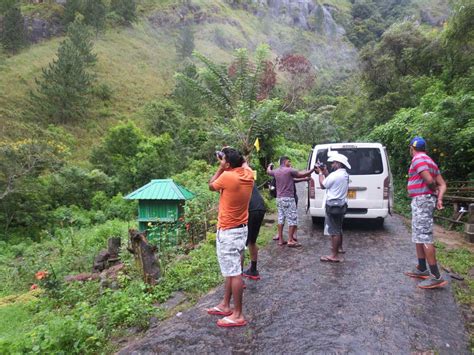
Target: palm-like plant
[{"x": 223, "y": 88}]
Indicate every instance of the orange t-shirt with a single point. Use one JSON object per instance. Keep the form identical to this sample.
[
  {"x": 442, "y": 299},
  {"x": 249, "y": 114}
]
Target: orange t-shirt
[{"x": 235, "y": 186}]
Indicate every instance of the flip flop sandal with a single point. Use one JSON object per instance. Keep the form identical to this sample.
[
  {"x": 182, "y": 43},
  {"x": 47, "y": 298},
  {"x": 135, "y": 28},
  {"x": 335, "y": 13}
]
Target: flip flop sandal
[
  {"x": 275, "y": 237},
  {"x": 216, "y": 311},
  {"x": 294, "y": 245},
  {"x": 329, "y": 260},
  {"x": 227, "y": 322},
  {"x": 282, "y": 244}
]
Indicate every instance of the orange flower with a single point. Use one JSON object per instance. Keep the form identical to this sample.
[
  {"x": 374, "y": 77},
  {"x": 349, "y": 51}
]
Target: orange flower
[
  {"x": 33, "y": 287},
  {"x": 40, "y": 275}
]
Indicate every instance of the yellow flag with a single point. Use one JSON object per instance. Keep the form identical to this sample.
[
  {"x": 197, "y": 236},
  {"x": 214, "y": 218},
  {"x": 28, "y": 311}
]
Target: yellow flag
[{"x": 257, "y": 144}]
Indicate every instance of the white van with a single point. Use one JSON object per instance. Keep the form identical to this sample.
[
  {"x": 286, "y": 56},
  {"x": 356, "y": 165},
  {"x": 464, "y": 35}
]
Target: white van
[{"x": 370, "y": 180}]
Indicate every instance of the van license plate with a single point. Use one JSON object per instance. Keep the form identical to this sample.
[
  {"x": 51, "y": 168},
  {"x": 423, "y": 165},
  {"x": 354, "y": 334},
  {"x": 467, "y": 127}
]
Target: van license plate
[{"x": 351, "y": 194}]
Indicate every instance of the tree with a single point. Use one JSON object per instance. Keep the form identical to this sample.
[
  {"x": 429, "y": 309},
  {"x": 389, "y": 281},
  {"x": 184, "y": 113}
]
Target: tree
[
  {"x": 133, "y": 159},
  {"x": 62, "y": 94},
  {"x": 185, "y": 43},
  {"x": 459, "y": 40},
  {"x": 94, "y": 14},
  {"x": 13, "y": 36},
  {"x": 222, "y": 87},
  {"x": 126, "y": 9},
  {"x": 300, "y": 77},
  {"x": 81, "y": 38},
  {"x": 71, "y": 9},
  {"x": 23, "y": 199},
  {"x": 238, "y": 93}
]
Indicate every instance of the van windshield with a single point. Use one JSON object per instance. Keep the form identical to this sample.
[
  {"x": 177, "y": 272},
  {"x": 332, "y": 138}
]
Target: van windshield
[{"x": 363, "y": 161}]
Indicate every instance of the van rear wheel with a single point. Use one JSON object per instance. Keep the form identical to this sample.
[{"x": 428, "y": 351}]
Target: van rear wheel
[
  {"x": 378, "y": 222},
  {"x": 317, "y": 220}
]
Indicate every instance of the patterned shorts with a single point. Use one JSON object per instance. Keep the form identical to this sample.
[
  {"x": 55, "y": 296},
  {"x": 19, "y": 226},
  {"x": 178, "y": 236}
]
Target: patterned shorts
[
  {"x": 287, "y": 210},
  {"x": 230, "y": 244},
  {"x": 422, "y": 209}
]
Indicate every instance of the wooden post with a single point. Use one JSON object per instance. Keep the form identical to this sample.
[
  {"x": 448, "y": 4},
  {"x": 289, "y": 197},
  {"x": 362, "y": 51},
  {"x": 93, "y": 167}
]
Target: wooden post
[
  {"x": 469, "y": 226},
  {"x": 144, "y": 255}
]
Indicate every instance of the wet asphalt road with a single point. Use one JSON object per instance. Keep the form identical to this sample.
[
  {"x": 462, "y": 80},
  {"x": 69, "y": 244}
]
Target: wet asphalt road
[{"x": 301, "y": 305}]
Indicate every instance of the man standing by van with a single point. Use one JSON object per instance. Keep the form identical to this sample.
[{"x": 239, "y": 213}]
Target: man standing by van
[
  {"x": 336, "y": 185},
  {"x": 426, "y": 188},
  {"x": 286, "y": 203},
  {"x": 234, "y": 181}
]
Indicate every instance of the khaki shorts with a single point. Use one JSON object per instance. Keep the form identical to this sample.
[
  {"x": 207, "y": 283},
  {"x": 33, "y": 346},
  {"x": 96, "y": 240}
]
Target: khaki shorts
[
  {"x": 422, "y": 209},
  {"x": 230, "y": 244}
]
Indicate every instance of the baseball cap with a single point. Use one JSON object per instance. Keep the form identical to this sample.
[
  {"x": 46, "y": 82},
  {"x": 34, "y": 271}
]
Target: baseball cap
[{"x": 418, "y": 142}]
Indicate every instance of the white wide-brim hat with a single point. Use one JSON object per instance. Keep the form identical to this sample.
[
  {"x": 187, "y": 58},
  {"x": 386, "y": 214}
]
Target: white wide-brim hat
[{"x": 339, "y": 158}]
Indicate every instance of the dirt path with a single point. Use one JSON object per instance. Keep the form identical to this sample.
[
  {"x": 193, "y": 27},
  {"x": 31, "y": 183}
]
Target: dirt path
[{"x": 364, "y": 305}]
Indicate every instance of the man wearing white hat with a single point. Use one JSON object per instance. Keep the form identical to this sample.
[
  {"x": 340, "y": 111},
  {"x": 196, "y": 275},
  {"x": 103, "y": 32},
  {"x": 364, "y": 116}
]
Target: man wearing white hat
[{"x": 336, "y": 185}]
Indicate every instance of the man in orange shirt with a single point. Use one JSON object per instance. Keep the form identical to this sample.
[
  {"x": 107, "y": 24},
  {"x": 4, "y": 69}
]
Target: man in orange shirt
[{"x": 234, "y": 181}]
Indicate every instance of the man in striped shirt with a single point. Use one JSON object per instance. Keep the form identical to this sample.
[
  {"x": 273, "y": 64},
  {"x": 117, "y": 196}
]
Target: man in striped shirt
[{"x": 426, "y": 188}]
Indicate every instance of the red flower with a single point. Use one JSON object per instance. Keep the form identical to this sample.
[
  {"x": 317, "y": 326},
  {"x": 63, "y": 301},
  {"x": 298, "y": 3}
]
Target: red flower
[
  {"x": 33, "y": 287},
  {"x": 40, "y": 275}
]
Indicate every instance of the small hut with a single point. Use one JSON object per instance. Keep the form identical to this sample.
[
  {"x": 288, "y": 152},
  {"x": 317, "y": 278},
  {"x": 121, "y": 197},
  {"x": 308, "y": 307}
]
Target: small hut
[{"x": 160, "y": 200}]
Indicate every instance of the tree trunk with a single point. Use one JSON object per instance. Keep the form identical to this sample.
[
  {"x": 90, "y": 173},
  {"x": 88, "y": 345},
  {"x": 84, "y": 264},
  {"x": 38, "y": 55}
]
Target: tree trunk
[
  {"x": 113, "y": 247},
  {"x": 144, "y": 255}
]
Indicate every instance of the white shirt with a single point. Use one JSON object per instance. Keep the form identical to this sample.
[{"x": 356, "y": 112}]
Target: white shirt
[{"x": 337, "y": 184}]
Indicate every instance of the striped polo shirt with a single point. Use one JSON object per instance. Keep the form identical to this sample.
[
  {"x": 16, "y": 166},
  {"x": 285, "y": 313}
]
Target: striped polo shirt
[{"x": 416, "y": 185}]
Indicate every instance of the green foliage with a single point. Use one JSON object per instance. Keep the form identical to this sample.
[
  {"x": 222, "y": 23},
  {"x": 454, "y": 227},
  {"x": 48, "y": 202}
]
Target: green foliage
[
  {"x": 196, "y": 273},
  {"x": 223, "y": 89},
  {"x": 311, "y": 128},
  {"x": 71, "y": 9},
  {"x": 73, "y": 185},
  {"x": 185, "y": 42},
  {"x": 12, "y": 34},
  {"x": 187, "y": 97},
  {"x": 163, "y": 116},
  {"x": 126, "y": 9},
  {"x": 132, "y": 158},
  {"x": 459, "y": 37},
  {"x": 94, "y": 12},
  {"x": 200, "y": 211},
  {"x": 445, "y": 121},
  {"x": 62, "y": 94}
]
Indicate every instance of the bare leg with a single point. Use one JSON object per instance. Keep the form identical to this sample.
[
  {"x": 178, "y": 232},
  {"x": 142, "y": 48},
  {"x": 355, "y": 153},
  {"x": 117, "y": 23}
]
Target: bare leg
[
  {"x": 236, "y": 285},
  {"x": 430, "y": 253},
  {"x": 291, "y": 233},
  {"x": 225, "y": 304},
  {"x": 336, "y": 242},
  {"x": 280, "y": 233},
  {"x": 420, "y": 252},
  {"x": 340, "y": 249}
]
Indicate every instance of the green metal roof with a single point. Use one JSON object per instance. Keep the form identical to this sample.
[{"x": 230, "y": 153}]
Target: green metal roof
[{"x": 161, "y": 189}]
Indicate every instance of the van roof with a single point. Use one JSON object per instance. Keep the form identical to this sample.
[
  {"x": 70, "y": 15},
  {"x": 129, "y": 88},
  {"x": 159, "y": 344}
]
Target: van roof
[{"x": 348, "y": 145}]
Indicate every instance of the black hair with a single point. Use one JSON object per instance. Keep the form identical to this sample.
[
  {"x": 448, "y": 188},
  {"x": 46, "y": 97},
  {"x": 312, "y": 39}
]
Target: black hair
[
  {"x": 283, "y": 158},
  {"x": 233, "y": 157}
]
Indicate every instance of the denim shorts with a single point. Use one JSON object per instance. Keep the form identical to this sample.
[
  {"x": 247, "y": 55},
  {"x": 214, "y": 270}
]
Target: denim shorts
[{"x": 230, "y": 244}]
